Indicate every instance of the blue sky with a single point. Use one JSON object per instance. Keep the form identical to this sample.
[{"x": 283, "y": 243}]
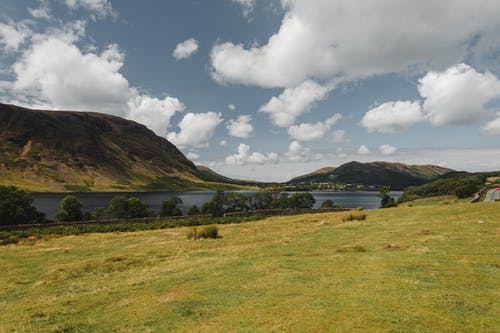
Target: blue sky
[{"x": 269, "y": 90}]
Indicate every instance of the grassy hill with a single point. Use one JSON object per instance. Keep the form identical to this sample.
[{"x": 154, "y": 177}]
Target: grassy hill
[
  {"x": 83, "y": 151},
  {"x": 395, "y": 175},
  {"x": 432, "y": 267},
  {"x": 460, "y": 184}
]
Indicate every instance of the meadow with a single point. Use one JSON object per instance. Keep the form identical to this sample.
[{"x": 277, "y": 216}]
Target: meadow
[{"x": 431, "y": 266}]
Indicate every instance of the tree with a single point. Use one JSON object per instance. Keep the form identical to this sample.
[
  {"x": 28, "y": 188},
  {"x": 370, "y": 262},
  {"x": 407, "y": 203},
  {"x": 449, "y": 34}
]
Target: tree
[
  {"x": 262, "y": 200},
  {"x": 137, "y": 209},
  {"x": 16, "y": 207},
  {"x": 194, "y": 210},
  {"x": 301, "y": 200},
  {"x": 327, "y": 204},
  {"x": 169, "y": 207},
  {"x": 98, "y": 213},
  {"x": 71, "y": 210},
  {"x": 236, "y": 202},
  {"x": 122, "y": 208},
  {"x": 216, "y": 205},
  {"x": 386, "y": 200},
  {"x": 118, "y": 207}
]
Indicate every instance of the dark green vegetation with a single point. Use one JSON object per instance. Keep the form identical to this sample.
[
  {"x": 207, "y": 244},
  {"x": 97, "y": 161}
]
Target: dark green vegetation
[
  {"x": 386, "y": 201},
  {"x": 459, "y": 184},
  {"x": 71, "y": 210},
  {"x": 169, "y": 207},
  {"x": 87, "y": 151},
  {"x": 376, "y": 174},
  {"x": 354, "y": 217},
  {"x": 16, "y": 207},
  {"x": 210, "y": 231},
  {"x": 406, "y": 269},
  {"x": 229, "y": 202}
]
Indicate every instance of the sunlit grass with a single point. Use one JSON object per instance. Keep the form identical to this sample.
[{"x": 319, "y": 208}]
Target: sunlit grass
[{"x": 427, "y": 268}]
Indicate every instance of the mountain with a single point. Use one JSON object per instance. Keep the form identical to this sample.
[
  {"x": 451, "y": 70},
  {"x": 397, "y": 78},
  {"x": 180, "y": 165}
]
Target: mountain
[
  {"x": 78, "y": 151},
  {"x": 312, "y": 175},
  {"x": 395, "y": 175}
]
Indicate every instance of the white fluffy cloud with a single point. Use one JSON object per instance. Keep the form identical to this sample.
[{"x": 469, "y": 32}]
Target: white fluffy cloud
[
  {"x": 297, "y": 152},
  {"x": 243, "y": 157},
  {"x": 458, "y": 95},
  {"x": 185, "y": 49},
  {"x": 324, "y": 39},
  {"x": 196, "y": 129},
  {"x": 309, "y": 132},
  {"x": 98, "y": 8},
  {"x": 285, "y": 108},
  {"x": 363, "y": 150},
  {"x": 12, "y": 35},
  {"x": 339, "y": 136},
  {"x": 223, "y": 143},
  {"x": 153, "y": 112},
  {"x": 492, "y": 127},
  {"x": 392, "y": 117},
  {"x": 54, "y": 73},
  {"x": 231, "y": 107},
  {"x": 240, "y": 127},
  {"x": 387, "y": 149}
]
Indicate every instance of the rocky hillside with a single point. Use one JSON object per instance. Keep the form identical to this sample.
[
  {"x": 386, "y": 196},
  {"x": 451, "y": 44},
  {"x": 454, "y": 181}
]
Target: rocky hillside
[
  {"x": 79, "y": 151},
  {"x": 395, "y": 175}
]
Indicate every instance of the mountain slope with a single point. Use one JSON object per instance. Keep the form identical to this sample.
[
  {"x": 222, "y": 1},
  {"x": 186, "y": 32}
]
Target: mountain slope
[
  {"x": 395, "y": 175},
  {"x": 65, "y": 150}
]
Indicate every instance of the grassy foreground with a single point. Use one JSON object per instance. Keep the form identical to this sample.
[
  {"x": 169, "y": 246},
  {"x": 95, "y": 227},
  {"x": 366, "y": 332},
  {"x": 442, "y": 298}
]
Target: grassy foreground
[{"x": 410, "y": 269}]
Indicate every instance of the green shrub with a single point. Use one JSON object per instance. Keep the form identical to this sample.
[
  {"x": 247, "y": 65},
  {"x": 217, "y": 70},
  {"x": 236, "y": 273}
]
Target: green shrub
[
  {"x": 354, "y": 217},
  {"x": 209, "y": 231},
  {"x": 71, "y": 210},
  {"x": 16, "y": 207},
  {"x": 327, "y": 204},
  {"x": 194, "y": 210},
  {"x": 169, "y": 207},
  {"x": 121, "y": 207},
  {"x": 386, "y": 200}
]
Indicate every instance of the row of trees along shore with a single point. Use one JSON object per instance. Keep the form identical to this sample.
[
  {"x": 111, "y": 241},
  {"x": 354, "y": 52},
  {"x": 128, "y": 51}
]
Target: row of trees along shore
[{"x": 16, "y": 206}]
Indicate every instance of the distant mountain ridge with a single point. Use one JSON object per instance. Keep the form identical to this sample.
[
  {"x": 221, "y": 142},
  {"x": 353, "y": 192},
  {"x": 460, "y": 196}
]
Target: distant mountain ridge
[
  {"x": 395, "y": 175},
  {"x": 67, "y": 150},
  {"x": 88, "y": 151}
]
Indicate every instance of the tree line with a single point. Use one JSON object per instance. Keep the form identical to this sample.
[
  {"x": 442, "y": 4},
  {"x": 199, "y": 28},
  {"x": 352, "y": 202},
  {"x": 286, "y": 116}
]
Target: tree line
[{"x": 16, "y": 206}]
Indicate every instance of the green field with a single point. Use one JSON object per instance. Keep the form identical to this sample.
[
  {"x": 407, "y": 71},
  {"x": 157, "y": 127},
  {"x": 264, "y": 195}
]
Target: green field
[{"x": 426, "y": 268}]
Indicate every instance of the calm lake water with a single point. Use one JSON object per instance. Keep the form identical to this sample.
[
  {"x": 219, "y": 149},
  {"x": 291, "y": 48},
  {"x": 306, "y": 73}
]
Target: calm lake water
[{"x": 49, "y": 203}]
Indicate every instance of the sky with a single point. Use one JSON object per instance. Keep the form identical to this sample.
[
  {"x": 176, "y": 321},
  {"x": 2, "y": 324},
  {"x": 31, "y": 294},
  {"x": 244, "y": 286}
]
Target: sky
[{"x": 269, "y": 90}]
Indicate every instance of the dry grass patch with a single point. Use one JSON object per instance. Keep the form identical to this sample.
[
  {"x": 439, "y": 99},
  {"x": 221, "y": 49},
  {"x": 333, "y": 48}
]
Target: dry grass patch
[{"x": 354, "y": 249}]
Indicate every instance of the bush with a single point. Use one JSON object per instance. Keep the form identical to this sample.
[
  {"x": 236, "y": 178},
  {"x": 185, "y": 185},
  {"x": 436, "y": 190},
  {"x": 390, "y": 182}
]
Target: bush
[
  {"x": 210, "y": 231},
  {"x": 16, "y": 207},
  {"x": 98, "y": 213},
  {"x": 169, "y": 207},
  {"x": 216, "y": 205},
  {"x": 194, "y": 210},
  {"x": 354, "y": 217},
  {"x": 327, "y": 204},
  {"x": 386, "y": 200},
  {"x": 122, "y": 208},
  {"x": 71, "y": 210}
]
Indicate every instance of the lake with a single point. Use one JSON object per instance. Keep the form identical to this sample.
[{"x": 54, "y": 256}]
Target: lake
[{"x": 49, "y": 203}]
